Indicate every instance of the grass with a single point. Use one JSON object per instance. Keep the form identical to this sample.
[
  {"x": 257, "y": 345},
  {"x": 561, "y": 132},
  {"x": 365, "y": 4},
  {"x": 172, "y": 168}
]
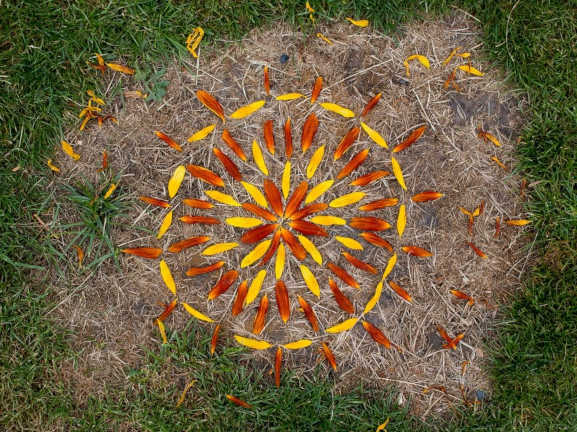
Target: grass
[{"x": 43, "y": 80}]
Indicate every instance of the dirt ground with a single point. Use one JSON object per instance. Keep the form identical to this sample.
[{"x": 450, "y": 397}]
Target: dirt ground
[{"x": 111, "y": 312}]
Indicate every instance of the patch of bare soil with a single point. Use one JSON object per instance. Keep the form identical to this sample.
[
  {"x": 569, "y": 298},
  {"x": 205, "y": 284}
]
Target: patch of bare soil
[{"x": 111, "y": 312}]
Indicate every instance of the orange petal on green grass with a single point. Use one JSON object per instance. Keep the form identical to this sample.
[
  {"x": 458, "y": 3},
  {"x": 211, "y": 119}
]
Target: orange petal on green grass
[
  {"x": 369, "y": 224},
  {"x": 100, "y": 66},
  {"x": 369, "y": 178},
  {"x": 347, "y": 141},
  {"x": 311, "y": 249},
  {"x": 110, "y": 190},
  {"x": 353, "y": 164},
  {"x": 288, "y": 138},
  {"x": 318, "y": 86},
  {"x": 329, "y": 356},
  {"x": 344, "y": 326},
  {"x": 252, "y": 343},
  {"x": 202, "y": 220},
  {"x": 241, "y": 293},
  {"x": 373, "y": 301},
  {"x": 370, "y": 105},
  {"x": 223, "y": 284},
  {"x": 421, "y": 58},
  {"x": 349, "y": 242},
  {"x": 255, "y": 287},
  {"x": 238, "y": 401},
  {"x": 477, "y": 250},
  {"x": 379, "y": 204},
  {"x": 259, "y": 320},
  {"x": 211, "y": 103},
  {"x": 328, "y": 220},
  {"x": 289, "y": 96},
  {"x": 501, "y": 164},
  {"x": 343, "y": 275},
  {"x": 241, "y": 222},
  {"x": 193, "y": 41},
  {"x": 259, "y": 158},
  {"x": 518, "y": 222},
  {"x": 196, "y": 314},
  {"x": 234, "y": 146},
  {"x": 400, "y": 291},
  {"x": 463, "y": 296},
  {"x": 266, "y": 81},
  {"x": 273, "y": 196},
  {"x": 166, "y": 312},
  {"x": 360, "y": 23},
  {"x": 263, "y": 213},
  {"x": 189, "y": 242},
  {"x": 413, "y": 137},
  {"x": 80, "y": 254},
  {"x": 257, "y": 234},
  {"x": 318, "y": 191},
  {"x": 168, "y": 140},
  {"x": 308, "y": 228},
  {"x": 303, "y": 343},
  {"x": 374, "y": 135},
  {"x": 104, "y": 161},
  {"x": 377, "y": 241},
  {"x": 52, "y": 166},
  {"x": 390, "y": 265},
  {"x": 348, "y": 199},
  {"x": 327, "y": 40},
  {"x": 309, "y": 313},
  {"x": 205, "y": 175},
  {"x": 195, "y": 271},
  {"x": 269, "y": 135},
  {"x": 165, "y": 225},
  {"x": 309, "y": 210},
  {"x": 282, "y": 301},
  {"x": 223, "y": 198},
  {"x": 120, "y": 68},
  {"x": 343, "y": 302},
  {"x": 219, "y": 248},
  {"x": 228, "y": 164},
  {"x": 69, "y": 151},
  {"x": 277, "y": 366},
  {"x": 398, "y": 173},
  {"x": 247, "y": 110},
  {"x": 162, "y": 331},
  {"x": 426, "y": 196},
  {"x": 214, "y": 339},
  {"x": 310, "y": 128},
  {"x": 359, "y": 264},
  {"x": 417, "y": 251},
  {"x": 201, "y": 134},
  {"x": 310, "y": 280},
  {"x": 154, "y": 202},
  {"x": 291, "y": 241},
  {"x": 470, "y": 69},
  {"x": 256, "y": 254},
  {"x": 377, "y": 335},
  {"x": 175, "y": 181},
  {"x": 315, "y": 161},
  {"x": 286, "y": 180},
  {"x": 345, "y": 112},
  {"x": 183, "y": 395},
  {"x": 296, "y": 199}
]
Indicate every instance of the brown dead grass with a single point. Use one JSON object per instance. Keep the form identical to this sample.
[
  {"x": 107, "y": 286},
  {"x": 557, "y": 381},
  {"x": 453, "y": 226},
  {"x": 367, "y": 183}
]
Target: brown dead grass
[{"x": 111, "y": 312}]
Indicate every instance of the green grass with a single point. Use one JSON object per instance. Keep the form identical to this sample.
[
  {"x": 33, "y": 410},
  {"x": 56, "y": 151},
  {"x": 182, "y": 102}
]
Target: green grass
[{"x": 43, "y": 80}]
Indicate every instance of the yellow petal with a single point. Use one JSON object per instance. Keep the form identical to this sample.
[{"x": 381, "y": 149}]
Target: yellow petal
[
  {"x": 252, "y": 343},
  {"x": 401, "y": 220},
  {"x": 373, "y": 301},
  {"x": 94, "y": 98},
  {"x": 390, "y": 265},
  {"x": 256, "y": 194},
  {"x": 196, "y": 313},
  {"x": 255, "y": 254},
  {"x": 110, "y": 190},
  {"x": 165, "y": 225},
  {"x": 176, "y": 180},
  {"x": 69, "y": 151},
  {"x": 360, "y": 23},
  {"x": 258, "y": 157},
  {"x": 247, "y": 110},
  {"x": 162, "y": 331},
  {"x": 52, "y": 167},
  {"x": 194, "y": 40},
  {"x": 422, "y": 59},
  {"x": 310, "y": 280},
  {"x": 338, "y": 109},
  {"x": 203, "y": 133},
  {"x": 349, "y": 242},
  {"x": 320, "y": 35},
  {"x": 398, "y": 173},
  {"x": 219, "y": 248},
  {"x": 286, "y": 180},
  {"x": 167, "y": 277},
  {"x": 243, "y": 222},
  {"x": 183, "y": 395},
  {"x": 347, "y": 199},
  {"x": 303, "y": 343},
  {"x": 309, "y": 8},
  {"x": 383, "y": 425},
  {"x": 374, "y": 135},
  {"x": 328, "y": 220},
  {"x": 344, "y": 326},
  {"x": 311, "y": 249},
  {"x": 120, "y": 68},
  {"x": 289, "y": 96},
  {"x": 518, "y": 222},
  {"x": 315, "y": 161},
  {"x": 318, "y": 190},
  {"x": 223, "y": 198},
  {"x": 255, "y": 287},
  {"x": 448, "y": 59},
  {"x": 471, "y": 70},
  {"x": 280, "y": 261}
]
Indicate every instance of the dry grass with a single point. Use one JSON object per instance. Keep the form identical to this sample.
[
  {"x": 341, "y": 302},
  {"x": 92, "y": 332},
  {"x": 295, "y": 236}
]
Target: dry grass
[{"x": 111, "y": 312}]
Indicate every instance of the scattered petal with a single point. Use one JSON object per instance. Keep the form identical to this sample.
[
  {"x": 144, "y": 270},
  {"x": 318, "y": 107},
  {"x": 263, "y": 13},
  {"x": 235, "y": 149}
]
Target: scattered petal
[
  {"x": 167, "y": 277},
  {"x": 470, "y": 69},
  {"x": 255, "y": 287},
  {"x": 369, "y": 178},
  {"x": 195, "y": 271},
  {"x": 205, "y": 175},
  {"x": 417, "y": 251},
  {"x": 316, "y": 192},
  {"x": 233, "y": 145},
  {"x": 289, "y": 96},
  {"x": 219, "y": 248},
  {"x": 104, "y": 161},
  {"x": 252, "y": 343},
  {"x": 361, "y": 23},
  {"x": 344, "y": 326},
  {"x": 211, "y": 103},
  {"x": 228, "y": 164},
  {"x": 260, "y": 318},
  {"x": 359, "y": 264},
  {"x": 168, "y": 140},
  {"x": 373, "y": 301},
  {"x": 347, "y": 141},
  {"x": 400, "y": 291},
  {"x": 369, "y": 224},
  {"x": 343, "y": 275},
  {"x": 154, "y": 202},
  {"x": 120, "y": 68},
  {"x": 214, "y": 339},
  {"x": 497, "y": 226},
  {"x": 501, "y": 164},
  {"x": 477, "y": 250},
  {"x": 277, "y": 366},
  {"x": 377, "y": 241},
  {"x": 448, "y": 59},
  {"x": 309, "y": 313},
  {"x": 266, "y": 81},
  {"x": 223, "y": 284},
  {"x": 269, "y": 135},
  {"x": 353, "y": 164},
  {"x": 327, "y": 40},
  {"x": 374, "y": 135},
  {"x": 201, "y": 134},
  {"x": 203, "y": 220},
  {"x": 398, "y": 173},
  {"x": 288, "y": 137},
  {"x": 329, "y": 356},
  {"x": 370, "y": 105},
  {"x": 487, "y": 137},
  {"x": 166, "y": 312},
  {"x": 258, "y": 157},
  {"x": 310, "y": 128},
  {"x": 223, "y": 198},
  {"x": 282, "y": 301},
  {"x": 518, "y": 222},
  {"x": 377, "y": 335},
  {"x": 193, "y": 41},
  {"x": 162, "y": 331},
  {"x": 311, "y": 249},
  {"x": 463, "y": 296},
  {"x": 303, "y": 343},
  {"x": 189, "y": 242},
  {"x": 347, "y": 113},
  {"x": 286, "y": 180},
  {"x": 390, "y": 265},
  {"x": 426, "y": 196},
  {"x": 315, "y": 161},
  {"x": 280, "y": 261},
  {"x": 343, "y": 302},
  {"x": 52, "y": 166},
  {"x": 422, "y": 59},
  {"x": 383, "y": 425},
  {"x": 349, "y": 242},
  {"x": 69, "y": 151},
  {"x": 241, "y": 222},
  {"x": 256, "y": 254},
  {"x": 317, "y": 89},
  {"x": 328, "y": 220},
  {"x": 413, "y": 137},
  {"x": 167, "y": 221},
  {"x": 238, "y": 401},
  {"x": 80, "y": 254},
  {"x": 183, "y": 395},
  {"x": 310, "y": 280},
  {"x": 247, "y": 110},
  {"x": 347, "y": 199},
  {"x": 111, "y": 189},
  {"x": 196, "y": 314},
  {"x": 379, "y": 204}
]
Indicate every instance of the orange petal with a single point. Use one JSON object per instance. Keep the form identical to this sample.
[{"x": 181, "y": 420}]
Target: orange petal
[
  {"x": 241, "y": 293},
  {"x": 80, "y": 254},
  {"x": 377, "y": 335},
  {"x": 309, "y": 210},
  {"x": 415, "y": 135},
  {"x": 444, "y": 335},
  {"x": 196, "y": 203},
  {"x": 486, "y": 136},
  {"x": 477, "y": 250},
  {"x": 269, "y": 135},
  {"x": 450, "y": 79},
  {"x": 263, "y": 213},
  {"x": 257, "y": 234},
  {"x": 195, "y": 271},
  {"x": 272, "y": 249},
  {"x": 288, "y": 138},
  {"x": 317, "y": 89},
  {"x": 371, "y": 104},
  {"x": 369, "y": 224},
  {"x": 359, "y": 264},
  {"x": 238, "y": 401},
  {"x": 277, "y": 365},
  {"x": 379, "y": 204},
  {"x": 189, "y": 242},
  {"x": 309, "y": 131},
  {"x": 308, "y": 228},
  {"x": 282, "y": 300},
  {"x": 353, "y": 164},
  {"x": 266, "y": 81},
  {"x": 229, "y": 165},
  {"x": 401, "y": 292},
  {"x": 347, "y": 141},
  {"x": 377, "y": 241},
  {"x": 343, "y": 302},
  {"x": 144, "y": 252},
  {"x": 154, "y": 202},
  {"x": 463, "y": 296},
  {"x": 211, "y": 103},
  {"x": 167, "y": 311},
  {"x": 329, "y": 356},
  {"x": 497, "y": 226},
  {"x": 214, "y": 339},
  {"x": 168, "y": 140},
  {"x": 417, "y": 251},
  {"x": 223, "y": 284},
  {"x": 259, "y": 320},
  {"x": 296, "y": 199},
  {"x": 205, "y": 175},
  {"x": 104, "y": 161},
  {"x": 369, "y": 178},
  {"x": 343, "y": 275},
  {"x": 309, "y": 313},
  {"x": 296, "y": 248},
  {"x": 273, "y": 196},
  {"x": 501, "y": 164},
  {"x": 204, "y": 220},
  {"x": 426, "y": 196},
  {"x": 234, "y": 146},
  {"x": 120, "y": 68}
]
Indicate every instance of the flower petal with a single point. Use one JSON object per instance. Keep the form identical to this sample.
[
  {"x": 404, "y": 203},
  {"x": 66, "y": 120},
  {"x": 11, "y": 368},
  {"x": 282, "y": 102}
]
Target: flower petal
[
  {"x": 315, "y": 161},
  {"x": 310, "y": 280},
  {"x": 369, "y": 178},
  {"x": 343, "y": 302},
  {"x": 223, "y": 284},
  {"x": 286, "y": 180},
  {"x": 241, "y": 222},
  {"x": 206, "y": 175},
  {"x": 347, "y": 141},
  {"x": 201, "y": 134},
  {"x": 311, "y": 249},
  {"x": 211, "y": 103},
  {"x": 269, "y": 135},
  {"x": 219, "y": 248},
  {"x": 259, "y": 158},
  {"x": 309, "y": 313},
  {"x": 343, "y": 275},
  {"x": 347, "y": 113},
  {"x": 347, "y": 199},
  {"x": 374, "y": 135},
  {"x": 168, "y": 140},
  {"x": 412, "y": 138},
  {"x": 318, "y": 191},
  {"x": 228, "y": 164},
  {"x": 289, "y": 96},
  {"x": 344, "y": 326},
  {"x": 197, "y": 314},
  {"x": 223, "y": 198},
  {"x": 259, "y": 320},
  {"x": 255, "y": 287},
  {"x": 189, "y": 242},
  {"x": 282, "y": 301},
  {"x": 317, "y": 89},
  {"x": 247, "y": 110},
  {"x": 255, "y": 254},
  {"x": 402, "y": 220},
  {"x": 252, "y": 343},
  {"x": 373, "y": 301},
  {"x": 69, "y": 151},
  {"x": 234, "y": 146},
  {"x": 167, "y": 221},
  {"x": 310, "y": 128},
  {"x": 398, "y": 173},
  {"x": 195, "y": 271},
  {"x": 303, "y": 343},
  {"x": 353, "y": 164},
  {"x": 349, "y": 242},
  {"x": 360, "y": 23}
]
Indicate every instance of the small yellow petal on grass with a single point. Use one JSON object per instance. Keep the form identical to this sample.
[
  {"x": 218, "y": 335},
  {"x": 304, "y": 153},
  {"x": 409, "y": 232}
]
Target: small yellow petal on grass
[
  {"x": 223, "y": 198},
  {"x": 256, "y": 194},
  {"x": 196, "y": 313},
  {"x": 167, "y": 277},
  {"x": 280, "y": 261},
  {"x": 252, "y": 343},
  {"x": 193, "y": 41},
  {"x": 94, "y": 98},
  {"x": 242, "y": 222},
  {"x": 328, "y": 220},
  {"x": 422, "y": 59},
  {"x": 398, "y": 173},
  {"x": 310, "y": 280},
  {"x": 373, "y": 301},
  {"x": 311, "y": 249},
  {"x": 286, "y": 180},
  {"x": 383, "y": 426},
  {"x": 256, "y": 254},
  {"x": 165, "y": 225},
  {"x": 349, "y": 242},
  {"x": 219, "y": 248},
  {"x": 374, "y": 135},
  {"x": 162, "y": 331},
  {"x": 255, "y": 287},
  {"x": 318, "y": 191},
  {"x": 315, "y": 161},
  {"x": 110, "y": 190},
  {"x": 120, "y": 68},
  {"x": 258, "y": 157},
  {"x": 347, "y": 199},
  {"x": 390, "y": 265},
  {"x": 471, "y": 70},
  {"x": 347, "y": 113},
  {"x": 303, "y": 343},
  {"x": 344, "y": 326},
  {"x": 360, "y": 23},
  {"x": 247, "y": 110},
  {"x": 309, "y": 8},
  {"x": 183, "y": 395},
  {"x": 289, "y": 96},
  {"x": 322, "y": 36},
  {"x": 52, "y": 166},
  {"x": 402, "y": 220},
  {"x": 69, "y": 151},
  {"x": 203, "y": 133},
  {"x": 176, "y": 180}
]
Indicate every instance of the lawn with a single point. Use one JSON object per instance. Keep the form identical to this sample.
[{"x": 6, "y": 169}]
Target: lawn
[{"x": 43, "y": 81}]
